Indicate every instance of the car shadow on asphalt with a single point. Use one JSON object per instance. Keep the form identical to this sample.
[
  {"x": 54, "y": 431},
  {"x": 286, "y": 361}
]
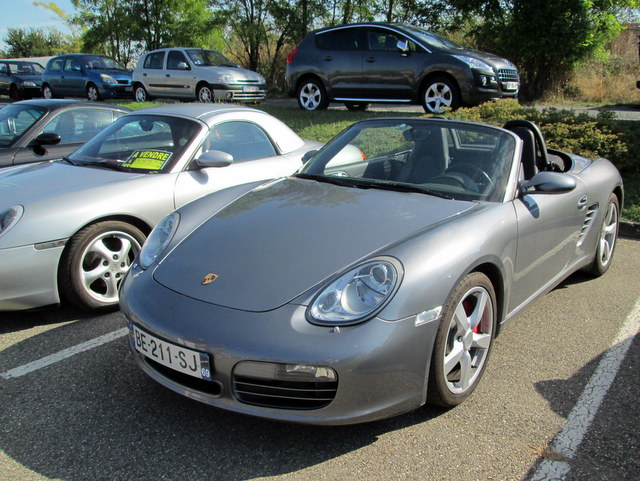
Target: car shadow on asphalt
[{"x": 96, "y": 415}]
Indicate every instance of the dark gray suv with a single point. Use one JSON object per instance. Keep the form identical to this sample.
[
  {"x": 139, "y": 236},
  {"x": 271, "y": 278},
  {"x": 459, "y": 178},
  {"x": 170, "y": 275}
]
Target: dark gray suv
[{"x": 387, "y": 62}]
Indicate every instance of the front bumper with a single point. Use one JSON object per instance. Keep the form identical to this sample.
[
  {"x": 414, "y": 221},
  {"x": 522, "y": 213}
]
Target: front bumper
[
  {"x": 239, "y": 93},
  {"x": 113, "y": 91},
  {"x": 28, "y": 277},
  {"x": 381, "y": 366}
]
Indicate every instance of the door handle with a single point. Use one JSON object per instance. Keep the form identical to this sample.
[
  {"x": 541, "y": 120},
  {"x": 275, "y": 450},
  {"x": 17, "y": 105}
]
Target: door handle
[
  {"x": 371, "y": 59},
  {"x": 168, "y": 75},
  {"x": 328, "y": 58},
  {"x": 582, "y": 203}
]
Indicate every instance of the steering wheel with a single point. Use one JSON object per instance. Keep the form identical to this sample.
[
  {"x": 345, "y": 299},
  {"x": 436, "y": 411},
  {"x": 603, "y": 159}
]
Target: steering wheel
[
  {"x": 474, "y": 172},
  {"x": 459, "y": 179}
]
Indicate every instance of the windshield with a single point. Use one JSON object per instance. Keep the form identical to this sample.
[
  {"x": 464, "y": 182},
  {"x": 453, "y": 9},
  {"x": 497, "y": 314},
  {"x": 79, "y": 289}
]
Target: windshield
[
  {"x": 15, "y": 120},
  {"x": 209, "y": 58},
  {"x": 438, "y": 157},
  {"x": 139, "y": 143},
  {"x": 25, "y": 68},
  {"x": 98, "y": 62},
  {"x": 432, "y": 39}
]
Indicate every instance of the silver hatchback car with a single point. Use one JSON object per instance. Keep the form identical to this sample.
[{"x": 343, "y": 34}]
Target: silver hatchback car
[{"x": 197, "y": 74}]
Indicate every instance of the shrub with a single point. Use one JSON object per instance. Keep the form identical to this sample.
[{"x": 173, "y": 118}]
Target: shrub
[{"x": 580, "y": 134}]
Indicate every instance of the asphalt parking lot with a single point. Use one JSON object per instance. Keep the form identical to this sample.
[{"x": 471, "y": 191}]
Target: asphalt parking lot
[{"x": 558, "y": 401}]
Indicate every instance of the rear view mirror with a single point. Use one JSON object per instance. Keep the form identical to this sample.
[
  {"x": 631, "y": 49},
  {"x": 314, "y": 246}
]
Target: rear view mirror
[
  {"x": 307, "y": 156},
  {"x": 214, "y": 158},
  {"x": 549, "y": 183},
  {"x": 46, "y": 138}
]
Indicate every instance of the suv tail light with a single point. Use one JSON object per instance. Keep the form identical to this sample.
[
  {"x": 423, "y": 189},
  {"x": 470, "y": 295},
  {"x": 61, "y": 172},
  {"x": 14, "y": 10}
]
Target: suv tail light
[{"x": 290, "y": 56}]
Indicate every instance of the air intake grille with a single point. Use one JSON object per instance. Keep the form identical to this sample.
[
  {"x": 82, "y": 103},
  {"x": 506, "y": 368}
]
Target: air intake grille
[
  {"x": 284, "y": 394},
  {"x": 592, "y": 210},
  {"x": 508, "y": 75}
]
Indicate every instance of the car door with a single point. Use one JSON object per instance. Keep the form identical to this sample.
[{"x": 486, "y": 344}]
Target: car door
[
  {"x": 340, "y": 60},
  {"x": 387, "y": 71},
  {"x": 74, "y": 126},
  {"x": 153, "y": 74},
  {"x": 72, "y": 78},
  {"x": 254, "y": 158},
  {"x": 5, "y": 79},
  {"x": 178, "y": 75},
  {"x": 548, "y": 230}
]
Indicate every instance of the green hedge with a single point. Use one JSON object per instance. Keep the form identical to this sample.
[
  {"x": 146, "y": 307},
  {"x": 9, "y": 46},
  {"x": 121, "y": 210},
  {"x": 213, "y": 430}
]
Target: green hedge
[{"x": 581, "y": 134}]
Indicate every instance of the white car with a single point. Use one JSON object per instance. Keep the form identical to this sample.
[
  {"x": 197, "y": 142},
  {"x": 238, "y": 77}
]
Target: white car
[
  {"x": 69, "y": 229},
  {"x": 195, "y": 74}
]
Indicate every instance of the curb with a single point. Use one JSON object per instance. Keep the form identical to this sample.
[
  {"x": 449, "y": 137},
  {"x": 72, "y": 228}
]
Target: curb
[{"x": 630, "y": 230}]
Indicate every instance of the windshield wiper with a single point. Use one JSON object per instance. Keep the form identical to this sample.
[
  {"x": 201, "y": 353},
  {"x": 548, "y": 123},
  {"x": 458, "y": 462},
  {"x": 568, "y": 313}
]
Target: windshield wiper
[
  {"x": 105, "y": 164},
  {"x": 67, "y": 160},
  {"x": 365, "y": 184},
  {"x": 341, "y": 181},
  {"x": 408, "y": 188}
]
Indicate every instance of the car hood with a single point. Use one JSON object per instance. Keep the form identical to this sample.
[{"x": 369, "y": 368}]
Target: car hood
[
  {"x": 33, "y": 182},
  {"x": 236, "y": 73},
  {"x": 493, "y": 60},
  {"x": 276, "y": 242},
  {"x": 29, "y": 78},
  {"x": 115, "y": 73}
]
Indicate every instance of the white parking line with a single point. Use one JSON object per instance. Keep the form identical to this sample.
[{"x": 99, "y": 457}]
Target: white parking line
[
  {"x": 568, "y": 440},
  {"x": 64, "y": 354}
]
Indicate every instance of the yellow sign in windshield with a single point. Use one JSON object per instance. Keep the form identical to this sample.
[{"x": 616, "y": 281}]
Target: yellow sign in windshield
[{"x": 148, "y": 159}]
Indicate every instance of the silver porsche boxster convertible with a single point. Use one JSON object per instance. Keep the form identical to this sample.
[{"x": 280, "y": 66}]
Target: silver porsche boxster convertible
[
  {"x": 69, "y": 229},
  {"x": 373, "y": 280}
]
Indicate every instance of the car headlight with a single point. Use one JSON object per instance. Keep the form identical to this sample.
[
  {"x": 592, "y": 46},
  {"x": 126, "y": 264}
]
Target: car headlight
[
  {"x": 9, "y": 218},
  {"x": 28, "y": 83},
  {"x": 158, "y": 240},
  {"x": 225, "y": 79},
  {"x": 107, "y": 79},
  {"x": 474, "y": 63},
  {"x": 355, "y": 295}
]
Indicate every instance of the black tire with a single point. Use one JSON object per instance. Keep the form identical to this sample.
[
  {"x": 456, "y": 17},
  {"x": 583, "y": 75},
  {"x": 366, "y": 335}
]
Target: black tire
[
  {"x": 47, "y": 92},
  {"x": 440, "y": 94},
  {"x": 204, "y": 94},
  {"x": 95, "y": 261},
  {"x": 357, "y": 106},
  {"x": 312, "y": 95},
  {"x": 607, "y": 238},
  {"x": 93, "y": 94},
  {"x": 13, "y": 92},
  {"x": 140, "y": 93},
  {"x": 461, "y": 349}
]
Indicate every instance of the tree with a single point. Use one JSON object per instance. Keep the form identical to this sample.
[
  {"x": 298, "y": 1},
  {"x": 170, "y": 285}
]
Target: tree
[
  {"x": 34, "y": 43},
  {"x": 123, "y": 29},
  {"x": 545, "y": 38}
]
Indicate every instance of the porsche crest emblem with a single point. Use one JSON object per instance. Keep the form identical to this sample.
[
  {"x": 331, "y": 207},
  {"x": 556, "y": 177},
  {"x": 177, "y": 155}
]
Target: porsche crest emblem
[{"x": 208, "y": 279}]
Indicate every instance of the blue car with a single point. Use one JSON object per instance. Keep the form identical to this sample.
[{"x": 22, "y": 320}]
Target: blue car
[{"x": 95, "y": 77}]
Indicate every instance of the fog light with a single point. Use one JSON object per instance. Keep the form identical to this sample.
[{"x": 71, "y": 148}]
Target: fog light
[
  {"x": 485, "y": 80},
  {"x": 285, "y": 372}
]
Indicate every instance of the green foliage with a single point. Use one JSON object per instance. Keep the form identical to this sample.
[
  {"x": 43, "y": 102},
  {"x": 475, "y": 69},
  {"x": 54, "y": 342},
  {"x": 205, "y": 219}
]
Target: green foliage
[
  {"x": 564, "y": 130},
  {"x": 546, "y": 38},
  {"x": 35, "y": 42}
]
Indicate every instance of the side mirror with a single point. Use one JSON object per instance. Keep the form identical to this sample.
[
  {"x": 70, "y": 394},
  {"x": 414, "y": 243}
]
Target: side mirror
[
  {"x": 403, "y": 46},
  {"x": 183, "y": 66},
  {"x": 549, "y": 183},
  {"x": 307, "y": 156},
  {"x": 46, "y": 138},
  {"x": 214, "y": 158}
]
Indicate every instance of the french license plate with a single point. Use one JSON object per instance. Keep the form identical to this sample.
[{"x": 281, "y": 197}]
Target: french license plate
[
  {"x": 510, "y": 85},
  {"x": 250, "y": 88},
  {"x": 178, "y": 358}
]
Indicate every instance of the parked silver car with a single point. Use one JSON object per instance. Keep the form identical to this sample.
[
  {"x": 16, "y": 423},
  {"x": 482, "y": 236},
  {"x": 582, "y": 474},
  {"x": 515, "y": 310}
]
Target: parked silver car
[
  {"x": 362, "y": 288},
  {"x": 70, "y": 229},
  {"x": 196, "y": 74}
]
